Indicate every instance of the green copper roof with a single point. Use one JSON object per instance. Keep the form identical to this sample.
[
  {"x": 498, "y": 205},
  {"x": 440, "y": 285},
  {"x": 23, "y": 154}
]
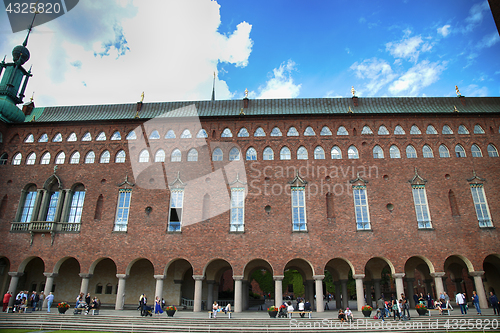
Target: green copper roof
[{"x": 266, "y": 107}]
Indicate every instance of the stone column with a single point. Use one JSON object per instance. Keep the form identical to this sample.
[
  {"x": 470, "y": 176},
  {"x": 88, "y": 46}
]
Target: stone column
[
  {"x": 278, "y": 289},
  {"x": 478, "y": 281},
  {"x": 238, "y": 286},
  {"x": 198, "y": 289},
  {"x": 345, "y": 294},
  {"x": 210, "y": 293},
  {"x": 368, "y": 292},
  {"x": 438, "y": 282},
  {"x": 84, "y": 287},
  {"x": 376, "y": 287},
  {"x": 49, "y": 282},
  {"x": 120, "y": 293},
  {"x": 444, "y": 278},
  {"x": 14, "y": 279},
  {"x": 410, "y": 291},
  {"x": 320, "y": 306},
  {"x": 310, "y": 290},
  {"x": 338, "y": 301},
  {"x": 398, "y": 277},
  {"x": 245, "y": 295},
  {"x": 159, "y": 285},
  {"x": 360, "y": 295},
  {"x": 178, "y": 291}
]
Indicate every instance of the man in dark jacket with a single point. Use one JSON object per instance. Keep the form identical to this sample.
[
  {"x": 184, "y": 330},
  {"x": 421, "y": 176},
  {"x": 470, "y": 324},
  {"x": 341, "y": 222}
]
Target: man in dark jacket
[
  {"x": 34, "y": 300},
  {"x": 494, "y": 303},
  {"x": 381, "y": 307}
]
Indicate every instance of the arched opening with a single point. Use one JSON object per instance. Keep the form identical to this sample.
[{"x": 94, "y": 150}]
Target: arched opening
[
  {"x": 178, "y": 286},
  {"x": 103, "y": 273},
  {"x": 340, "y": 285},
  {"x": 258, "y": 284},
  {"x": 491, "y": 267},
  {"x": 418, "y": 281}
]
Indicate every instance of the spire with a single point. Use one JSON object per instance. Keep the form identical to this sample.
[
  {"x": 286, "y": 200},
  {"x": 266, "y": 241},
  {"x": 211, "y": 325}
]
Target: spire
[
  {"x": 213, "y": 89},
  {"x": 25, "y": 43}
]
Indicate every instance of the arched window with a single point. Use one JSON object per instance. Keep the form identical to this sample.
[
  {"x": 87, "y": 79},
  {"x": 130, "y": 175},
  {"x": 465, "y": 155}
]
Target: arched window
[
  {"x": 319, "y": 153},
  {"x": 45, "y": 158},
  {"x": 160, "y": 156},
  {"x": 427, "y": 152},
  {"x": 342, "y": 131},
  {"x": 234, "y": 154},
  {"x": 116, "y": 136},
  {"x": 352, "y": 153},
  {"x": 251, "y": 154},
  {"x": 309, "y": 131},
  {"x": 394, "y": 152},
  {"x": 492, "y": 151},
  {"x": 366, "y": 130},
  {"x": 217, "y": 155},
  {"x": 478, "y": 129},
  {"x": 325, "y": 131},
  {"x": 120, "y": 157},
  {"x": 415, "y": 130},
  {"x": 29, "y": 139},
  {"x": 476, "y": 151},
  {"x": 259, "y": 132},
  {"x": 192, "y": 155},
  {"x": 186, "y": 134},
  {"x": 431, "y": 130},
  {"x": 382, "y": 130},
  {"x": 443, "y": 151},
  {"x": 276, "y": 132},
  {"x": 90, "y": 157},
  {"x": 31, "y": 159},
  {"x": 176, "y": 156},
  {"x": 72, "y": 137},
  {"x": 302, "y": 153},
  {"x": 462, "y": 130},
  {"x": 101, "y": 137},
  {"x": 285, "y": 153},
  {"x": 268, "y": 154},
  {"x": 226, "y": 133},
  {"x": 378, "y": 152},
  {"x": 75, "y": 158},
  {"x": 155, "y": 135},
  {"x": 144, "y": 156},
  {"x": 411, "y": 152},
  {"x": 57, "y": 138},
  {"x": 170, "y": 135},
  {"x": 459, "y": 151},
  {"x": 87, "y": 137},
  {"x": 16, "y": 160},
  {"x": 202, "y": 134},
  {"x": 399, "y": 130},
  {"x": 28, "y": 205},
  {"x": 105, "y": 156},
  {"x": 44, "y": 138},
  {"x": 292, "y": 131},
  {"x": 336, "y": 153},
  {"x": 4, "y": 158},
  {"x": 60, "y": 158},
  {"x": 131, "y": 136},
  {"x": 243, "y": 133},
  {"x": 447, "y": 130}
]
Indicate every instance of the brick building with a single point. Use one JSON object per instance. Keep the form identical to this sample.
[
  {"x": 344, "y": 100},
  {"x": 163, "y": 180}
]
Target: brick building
[{"x": 164, "y": 198}]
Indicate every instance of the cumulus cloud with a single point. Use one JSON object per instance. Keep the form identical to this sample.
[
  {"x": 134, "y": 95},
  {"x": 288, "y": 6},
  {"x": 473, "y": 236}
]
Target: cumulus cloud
[
  {"x": 488, "y": 40},
  {"x": 474, "y": 90},
  {"x": 408, "y": 48},
  {"x": 168, "y": 49},
  {"x": 476, "y": 14},
  {"x": 444, "y": 30},
  {"x": 377, "y": 72},
  {"x": 419, "y": 76},
  {"x": 281, "y": 84}
]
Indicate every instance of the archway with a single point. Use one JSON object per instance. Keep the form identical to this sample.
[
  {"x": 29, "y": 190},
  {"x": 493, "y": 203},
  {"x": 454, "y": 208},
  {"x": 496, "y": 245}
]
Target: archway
[
  {"x": 491, "y": 267},
  {"x": 219, "y": 283},
  {"x": 178, "y": 287},
  {"x": 258, "y": 280},
  {"x": 418, "y": 279},
  {"x": 140, "y": 281},
  {"x": 342, "y": 283},
  {"x": 103, "y": 282},
  {"x": 457, "y": 270},
  {"x": 68, "y": 280}
]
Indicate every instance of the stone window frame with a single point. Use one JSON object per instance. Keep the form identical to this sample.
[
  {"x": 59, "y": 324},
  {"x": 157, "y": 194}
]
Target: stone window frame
[{"x": 236, "y": 224}]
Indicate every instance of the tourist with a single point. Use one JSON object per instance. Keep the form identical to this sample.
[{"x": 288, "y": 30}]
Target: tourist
[
  {"x": 6, "y": 300},
  {"x": 447, "y": 301},
  {"x": 41, "y": 297},
  {"x": 34, "y": 300},
  {"x": 475, "y": 301},
  {"x": 405, "y": 306},
  {"x": 381, "y": 307},
  {"x": 158, "y": 309},
  {"x": 215, "y": 307},
  {"x": 348, "y": 315},
  {"x": 494, "y": 303},
  {"x": 50, "y": 299},
  {"x": 461, "y": 301},
  {"x": 341, "y": 315},
  {"x": 301, "y": 307}
]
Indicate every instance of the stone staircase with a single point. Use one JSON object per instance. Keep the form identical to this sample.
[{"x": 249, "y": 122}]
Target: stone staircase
[{"x": 241, "y": 322}]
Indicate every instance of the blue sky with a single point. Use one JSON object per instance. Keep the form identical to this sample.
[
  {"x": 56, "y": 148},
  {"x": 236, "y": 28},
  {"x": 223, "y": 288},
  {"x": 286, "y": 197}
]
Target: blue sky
[{"x": 108, "y": 52}]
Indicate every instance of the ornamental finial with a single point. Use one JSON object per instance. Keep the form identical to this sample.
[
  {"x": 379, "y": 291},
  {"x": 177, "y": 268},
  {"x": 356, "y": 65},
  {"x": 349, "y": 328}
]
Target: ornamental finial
[
  {"x": 455, "y": 108},
  {"x": 142, "y": 97},
  {"x": 246, "y": 92},
  {"x": 457, "y": 91},
  {"x": 32, "y": 97},
  {"x": 353, "y": 91}
]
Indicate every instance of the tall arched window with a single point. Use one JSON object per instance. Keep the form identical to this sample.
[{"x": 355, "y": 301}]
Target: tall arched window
[
  {"x": 319, "y": 153},
  {"x": 394, "y": 152},
  {"x": 492, "y": 151},
  {"x": 217, "y": 155},
  {"x": 268, "y": 154},
  {"x": 120, "y": 157},
  {"x": 234, "y": 154},
  {"x": 75, "y": 158},
  {"x": 459, "y": 151},
  {"x": 144, "y": 156},
  {"x": 443, "y": 151},
  {"x": 60, "y": 158},
  {"x": 160, "y": 156},
  {"x": 45, "y": 158},
  {"x": 427, "y": 152},
  {"x": 105, "y": 156},
  {"x": 352, "y": 153},
  {"x": 411, "y": 152},
  {"x": 192, "y": 155},
  {"x": 476, "y": 151},
  {"x": 285, "y": 153},
  {"x": 176, "y": 156},
  {"x": 336, "y": 153},
  {"x": 378, "y": 152},
  {"x": 251, "y": 154},
  {"x": 302, "y": 153}
]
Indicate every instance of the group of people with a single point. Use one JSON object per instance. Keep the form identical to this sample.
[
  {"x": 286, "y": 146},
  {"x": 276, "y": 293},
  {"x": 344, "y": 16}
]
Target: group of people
[
  {"x": 86, "y": 303},
  {"x": 25, "y": 300},
  {"x": 145, "y": 308},
  {"x": 400, "y": 308},
  {"x": 345, "y": 315},
  {"x": 218, "y": 308}
]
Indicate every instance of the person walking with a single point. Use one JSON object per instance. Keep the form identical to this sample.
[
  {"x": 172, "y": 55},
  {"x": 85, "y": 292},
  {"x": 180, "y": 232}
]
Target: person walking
[
  {"x": 41, "y": 298},
  {"x": 461, "y": 301},
  {"x": 6, "y": 299},
  {"x": 475, "y": 301},
  {"x": 494, "y": 303},
  {"x": 381, "y": 307},
  {"x": 50, "y": 299}
]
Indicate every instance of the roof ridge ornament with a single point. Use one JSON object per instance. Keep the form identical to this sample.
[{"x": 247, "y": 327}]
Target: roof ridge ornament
[
  {"x": 475, "y": 178},
  {"x": 126, "y": 182},
  {"x": 358, "y": 179},
  {"x": 238, "y": 180},
  {"x": 457, "y": 91},
  {"x": 455, "y": 108},
  {"x": 417, "y": 179},
  {"x": 297, "y": 181},
  {"x": 177, "y": 183}
]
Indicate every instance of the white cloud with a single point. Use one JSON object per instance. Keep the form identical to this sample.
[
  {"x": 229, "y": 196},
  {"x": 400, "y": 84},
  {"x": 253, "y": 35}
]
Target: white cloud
[
  {"x": 489, "y": 40},
  {"x": 281, "y": 84},
  {"x": 474, "y": 90},
  {"x": 408, "y": 48},
  {"x": 476, "y": 15},
  {"x": 377, "y": 72},
  {"x": 419, "y": 76},
  {"x": 168, "y": 49},
  {"x": 444, "y": 30}
]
